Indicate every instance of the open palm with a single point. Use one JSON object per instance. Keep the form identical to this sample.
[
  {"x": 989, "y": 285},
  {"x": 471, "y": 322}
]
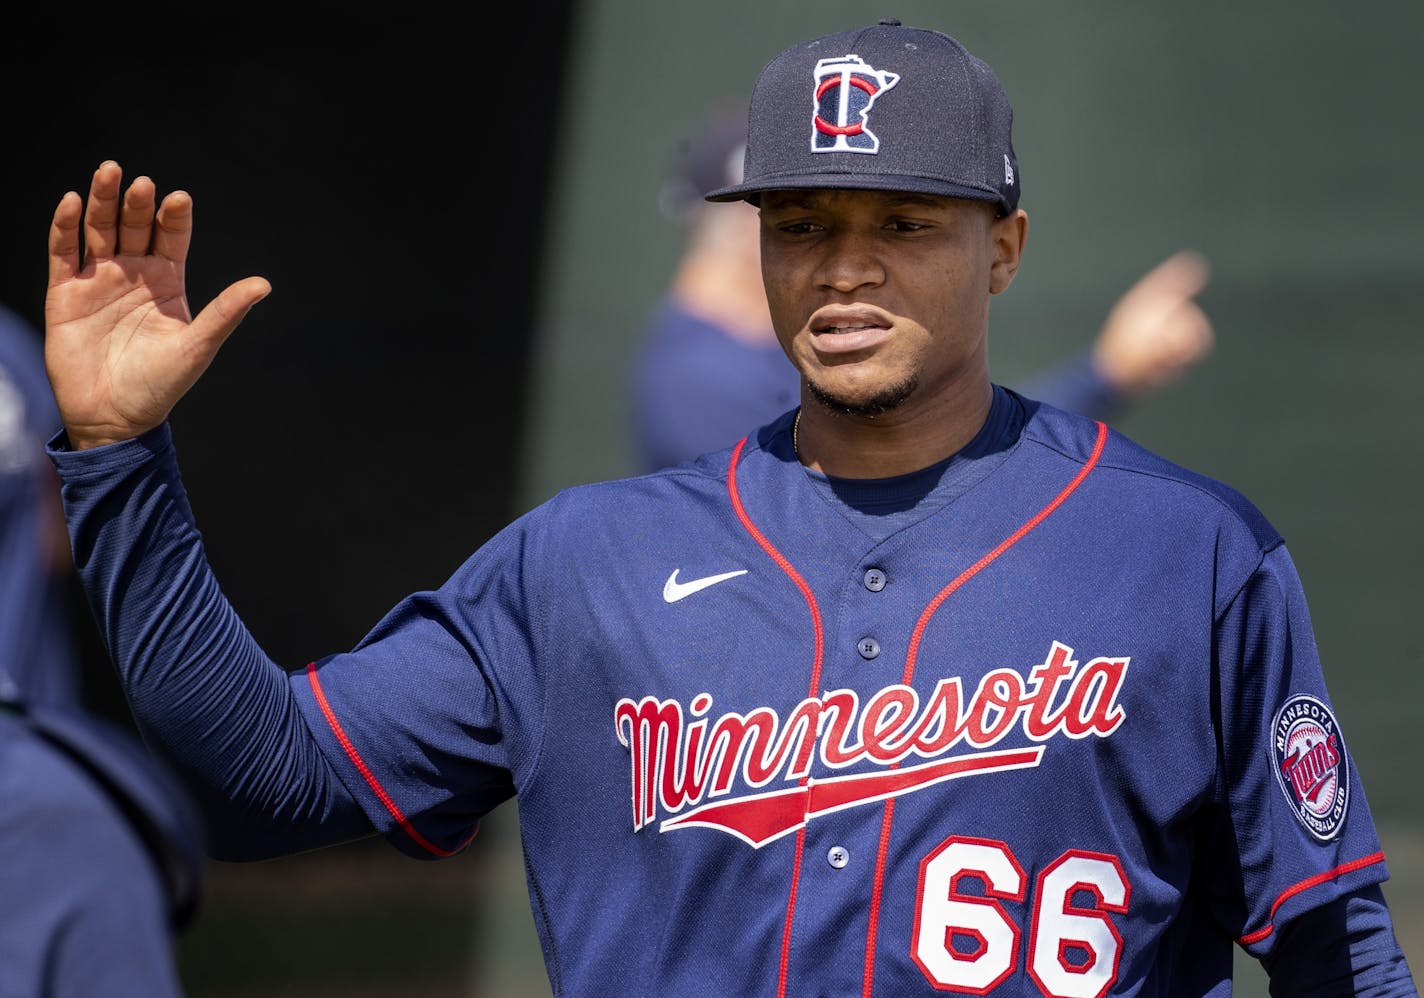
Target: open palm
[{"x": 121, "y": 345}]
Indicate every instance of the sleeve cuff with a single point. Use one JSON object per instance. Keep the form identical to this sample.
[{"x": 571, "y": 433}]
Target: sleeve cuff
[{"x": 99, "y": 461}]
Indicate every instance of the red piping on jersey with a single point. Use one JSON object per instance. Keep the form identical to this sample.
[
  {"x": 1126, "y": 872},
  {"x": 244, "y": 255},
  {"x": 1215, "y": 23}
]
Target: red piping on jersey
[
  {"x": 819, "y": 635},
  {"x": 370, "y": 777},
  {"x": 1305, "y": 885},
  {"x": 878, "y": 884}
]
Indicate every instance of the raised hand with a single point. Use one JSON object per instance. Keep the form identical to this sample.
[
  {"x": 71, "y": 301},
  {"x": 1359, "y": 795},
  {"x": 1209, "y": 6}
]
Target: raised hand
[
  {"x": 121, "y": 345},
  {"x": 1157, "y": 330}
]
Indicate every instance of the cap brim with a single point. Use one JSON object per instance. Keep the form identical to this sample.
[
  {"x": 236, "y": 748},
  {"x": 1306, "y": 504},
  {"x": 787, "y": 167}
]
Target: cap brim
[{"x": 747, "y": 191}]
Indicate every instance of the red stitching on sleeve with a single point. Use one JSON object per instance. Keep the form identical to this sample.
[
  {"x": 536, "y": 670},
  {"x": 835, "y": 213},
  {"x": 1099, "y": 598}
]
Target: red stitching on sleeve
[
  {"x": 370, "y": 777},
  {"x": 1305, "y": 885}
]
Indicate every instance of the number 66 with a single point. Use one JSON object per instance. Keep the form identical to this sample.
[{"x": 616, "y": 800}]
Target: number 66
[{"x": 1073, "y": 950}]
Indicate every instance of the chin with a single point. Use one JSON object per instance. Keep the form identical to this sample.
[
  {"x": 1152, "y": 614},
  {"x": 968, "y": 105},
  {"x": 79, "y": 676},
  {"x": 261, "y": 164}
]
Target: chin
[{"x": 872, "y": 401}]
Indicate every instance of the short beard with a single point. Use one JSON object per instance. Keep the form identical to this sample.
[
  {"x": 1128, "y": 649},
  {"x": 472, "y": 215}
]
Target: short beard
[{"x": 889, "y": 399}]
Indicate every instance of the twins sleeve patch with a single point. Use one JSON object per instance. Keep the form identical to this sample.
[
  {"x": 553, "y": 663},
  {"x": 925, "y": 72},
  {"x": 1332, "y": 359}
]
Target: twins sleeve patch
[{"x": 1311, "y": 765}]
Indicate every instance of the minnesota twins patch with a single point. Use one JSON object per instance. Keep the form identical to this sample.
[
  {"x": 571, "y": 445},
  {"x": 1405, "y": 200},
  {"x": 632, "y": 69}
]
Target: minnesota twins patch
[{"x": 1311, "y": 765}]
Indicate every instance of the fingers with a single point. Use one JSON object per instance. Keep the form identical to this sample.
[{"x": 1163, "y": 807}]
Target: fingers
[
  {"x": 1188, "y": 331},
  {"x": 101, "y": 216},
  {"x": 1157, "y": 329},
  {"x": 64, "y": 238},
  {"x": 1182, "y": 275},
  {"x": 126, "y": 225},
  {"x": 1191, "y": 338},
  {"x": 215, "y": 323},
  {"x": 173, "y": 230},
  {"x": 136, "y": 218}
]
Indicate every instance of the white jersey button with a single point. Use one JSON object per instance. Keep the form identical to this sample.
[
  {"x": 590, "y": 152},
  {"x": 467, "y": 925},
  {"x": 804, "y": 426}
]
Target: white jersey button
[
  {"x": 838, "y": 856},
  {"x": 874, "y": 579},
  {"x": 868, "y": 648}
]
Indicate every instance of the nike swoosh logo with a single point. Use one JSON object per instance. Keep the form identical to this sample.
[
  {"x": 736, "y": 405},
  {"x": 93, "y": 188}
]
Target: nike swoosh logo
[{"x": 674, "y": 590}]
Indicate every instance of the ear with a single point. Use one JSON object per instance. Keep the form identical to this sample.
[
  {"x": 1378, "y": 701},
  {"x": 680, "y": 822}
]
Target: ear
[{"x": 1009, "y": 234}]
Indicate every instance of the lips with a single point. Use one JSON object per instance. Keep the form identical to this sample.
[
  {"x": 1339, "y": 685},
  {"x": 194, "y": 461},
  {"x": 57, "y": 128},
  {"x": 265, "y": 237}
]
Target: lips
[{"x": 844, "y": 329}]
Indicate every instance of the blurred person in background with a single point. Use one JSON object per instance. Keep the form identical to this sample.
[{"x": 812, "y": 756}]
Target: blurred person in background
[
  {"x": 102, "y": 855},
  {"x": 37, "y": 646},
  {"x": 707, "y": 367}
]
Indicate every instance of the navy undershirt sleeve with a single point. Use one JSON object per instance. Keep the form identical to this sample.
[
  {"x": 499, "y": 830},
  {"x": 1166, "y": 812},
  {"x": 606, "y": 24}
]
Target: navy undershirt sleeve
[
  {"x": 1075, "y": 385},
  {"x": 203, "y": 692},
  {"x": 1346, "y": 948}
]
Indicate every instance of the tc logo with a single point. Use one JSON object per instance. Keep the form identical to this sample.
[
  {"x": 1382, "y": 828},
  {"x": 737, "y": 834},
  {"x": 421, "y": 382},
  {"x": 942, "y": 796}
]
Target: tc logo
[{"x": 845, "y": 89}]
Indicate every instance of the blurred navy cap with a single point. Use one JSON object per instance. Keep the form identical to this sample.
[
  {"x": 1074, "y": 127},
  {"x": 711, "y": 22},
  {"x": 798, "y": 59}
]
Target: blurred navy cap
[{"x": 709, "y": 157}]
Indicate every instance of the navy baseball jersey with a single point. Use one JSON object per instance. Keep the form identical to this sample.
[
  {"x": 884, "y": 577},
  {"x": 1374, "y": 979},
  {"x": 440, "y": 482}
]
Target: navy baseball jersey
[{"x": 1045, "y": 719}]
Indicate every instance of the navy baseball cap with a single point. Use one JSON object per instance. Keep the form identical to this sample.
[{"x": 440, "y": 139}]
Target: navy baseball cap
[{"x": 885, "y": 107}]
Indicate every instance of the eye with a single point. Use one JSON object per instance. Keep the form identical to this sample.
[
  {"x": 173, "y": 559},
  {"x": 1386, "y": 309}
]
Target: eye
[
  {"x": 906, "y": 225},
  {"x": 798, "y": 227}
]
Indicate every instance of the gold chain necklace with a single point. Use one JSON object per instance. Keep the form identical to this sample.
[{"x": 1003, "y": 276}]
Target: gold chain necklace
[{"x": 796, "y": 434}]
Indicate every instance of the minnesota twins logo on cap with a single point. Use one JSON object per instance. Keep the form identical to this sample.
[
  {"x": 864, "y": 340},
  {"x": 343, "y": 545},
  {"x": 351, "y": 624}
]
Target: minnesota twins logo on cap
[
  {"x": 1311, "y": 765},
  {"x": 944, "y": 126},
  {"x": 845, "y": 89}
]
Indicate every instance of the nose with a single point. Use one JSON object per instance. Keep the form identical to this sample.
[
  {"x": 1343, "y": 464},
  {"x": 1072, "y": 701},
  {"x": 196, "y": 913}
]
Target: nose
[{"x": 849, "y": 261}]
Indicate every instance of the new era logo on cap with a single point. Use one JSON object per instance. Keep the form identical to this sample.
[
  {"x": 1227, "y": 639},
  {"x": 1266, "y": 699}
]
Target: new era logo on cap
[{"x": 890, "y": 108}]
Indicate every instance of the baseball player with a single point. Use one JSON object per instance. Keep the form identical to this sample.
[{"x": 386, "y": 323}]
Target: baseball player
[{"x": 922, "y": 688}]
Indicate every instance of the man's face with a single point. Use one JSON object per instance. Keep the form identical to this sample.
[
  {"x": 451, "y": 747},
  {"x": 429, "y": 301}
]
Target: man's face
[{"x": 882, "y": 299}]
